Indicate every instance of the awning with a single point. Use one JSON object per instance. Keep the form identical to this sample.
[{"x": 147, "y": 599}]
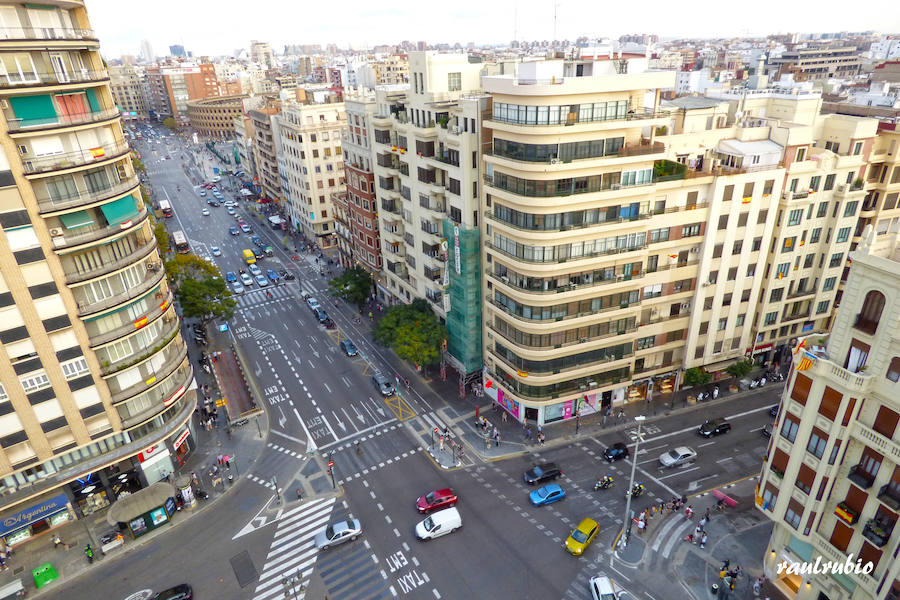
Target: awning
[
  {"x": 121, "y": 211},
  {"x": 74, "y": 220},
  {"x": 132, "y": 506},
  {"x": 246, "y": 192}
]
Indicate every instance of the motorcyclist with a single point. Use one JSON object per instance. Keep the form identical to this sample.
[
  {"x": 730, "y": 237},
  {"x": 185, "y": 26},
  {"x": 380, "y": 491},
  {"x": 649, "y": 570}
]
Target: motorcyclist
[{"x": 604, "y": 483}]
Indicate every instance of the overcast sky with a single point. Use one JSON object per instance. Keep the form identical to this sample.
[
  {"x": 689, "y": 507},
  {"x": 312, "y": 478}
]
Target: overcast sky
[{"x": 212, "y": 28}]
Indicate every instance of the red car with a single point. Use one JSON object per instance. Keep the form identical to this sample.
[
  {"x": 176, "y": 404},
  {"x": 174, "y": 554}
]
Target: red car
[{"x": 436, "y": 500}]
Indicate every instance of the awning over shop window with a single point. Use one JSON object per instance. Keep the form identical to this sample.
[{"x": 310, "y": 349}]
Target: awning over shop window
[
  {"x": 130, "y": 507},
  {"x": 76, "y": 219},
  {"x": 120, "y": 211}
]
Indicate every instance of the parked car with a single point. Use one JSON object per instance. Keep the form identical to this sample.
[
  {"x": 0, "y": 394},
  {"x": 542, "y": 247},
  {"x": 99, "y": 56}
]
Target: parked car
[
  {"x": 287, "y": 275},
  {"x": 679, "y": 456},
  {"x": 202, "y": 192},
  {"x": 581, "y": 537},
  {"x": 233, "y": 230},
  {"x": 254, "y": 270},
  {"x": 257, "y": 241},
  {"x": 439, "y": 523},
  {"x": 205, "y": 212},
  {"x": 767, "y": 430},
  {"x": 312, "y": 303},
  {"x": 338, "y": 533},
  {"x": 617, "y": 451},
  {"x": 258, "y": 253},
  {"x": 321, "y": 316},
  {"x": 436, "y": 500},
  {"x": 713, "y": 427},
  {"x": 548, "y": 494},
  {"x": 179, "y": 592},
  {"x": 773, "y": 412},
  {"x": 349, "y": 348},
  {"x": 246, "y": 228},
  {"x": 230, "y": 277},
  {"x": 540, "y": 473},
  {"x": 383, "y": 384}
]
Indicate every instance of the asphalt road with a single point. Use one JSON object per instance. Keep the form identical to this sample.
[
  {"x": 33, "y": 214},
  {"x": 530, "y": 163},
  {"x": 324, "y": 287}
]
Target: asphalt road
[{"x": 318, "y": 399}]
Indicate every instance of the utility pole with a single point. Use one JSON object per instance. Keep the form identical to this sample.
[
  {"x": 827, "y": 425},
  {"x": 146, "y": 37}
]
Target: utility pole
[
  {"x": 623, "y": 540},
  {"x": 555, "y": 6}
]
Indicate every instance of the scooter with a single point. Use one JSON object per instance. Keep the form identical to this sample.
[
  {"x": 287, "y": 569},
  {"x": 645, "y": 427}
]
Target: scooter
[
  {"x": 89, "y": 552},
  {"x": 637, "y": 491},
  {"x": 604, "y": 484},
  {"x": 701, "y": 396}
]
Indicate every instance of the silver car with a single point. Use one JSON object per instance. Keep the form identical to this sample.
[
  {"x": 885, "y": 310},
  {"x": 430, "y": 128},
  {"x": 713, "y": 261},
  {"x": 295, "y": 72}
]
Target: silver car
[
  {"x": 679, "y": 456},
  {"x": 338, "y": 533}
]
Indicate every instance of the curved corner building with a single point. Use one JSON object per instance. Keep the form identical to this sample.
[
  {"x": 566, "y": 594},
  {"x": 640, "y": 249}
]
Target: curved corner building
[{"x": 95, "y": 400}]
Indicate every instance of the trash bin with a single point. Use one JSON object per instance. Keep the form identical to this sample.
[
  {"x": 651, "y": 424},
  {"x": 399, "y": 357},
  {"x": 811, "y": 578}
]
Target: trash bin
[{"x": 714, "y": 588}]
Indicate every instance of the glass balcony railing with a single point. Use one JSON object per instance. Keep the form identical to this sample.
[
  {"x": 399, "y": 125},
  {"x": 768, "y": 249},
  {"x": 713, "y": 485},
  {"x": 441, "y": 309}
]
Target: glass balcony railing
[
  {"x": 46, "y": 33},
  {"x": 78, "y": 158}
]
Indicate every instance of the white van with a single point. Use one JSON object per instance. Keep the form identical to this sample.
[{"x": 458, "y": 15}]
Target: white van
[{"x": 438, "y": 524}]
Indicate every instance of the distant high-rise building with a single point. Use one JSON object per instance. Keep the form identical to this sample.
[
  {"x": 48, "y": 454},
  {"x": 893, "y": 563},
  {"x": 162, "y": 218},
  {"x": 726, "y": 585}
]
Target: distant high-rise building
[
  {"x": 177, "y": 51},
  {"x": 172, "y": 85},
  {"x": 147, "y": 51},
  {"x": 262, "y": 54}
]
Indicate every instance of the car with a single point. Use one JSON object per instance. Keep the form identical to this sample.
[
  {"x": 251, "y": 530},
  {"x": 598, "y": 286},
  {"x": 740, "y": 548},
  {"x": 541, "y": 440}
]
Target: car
[
  {"x": 230, "y": 277},
  {"x": 439, "y": 523},
  {"x": 271, "y": 274},
  {"x": 208, "y": 186},
  {"x": 259, "y": 253},
  {"x": 205, "y": 212},
  {"x": 383, "y": 384},
  {"x": 237, "y": 287},
  {"x": 257, "y": 240},
  {"x": 767, "y": 430},
  {"x": 436, "y": 500},
  {"x": 713, "y": 427},
  {"x": 216, "y": 179},
  {"x": 337, "y": 533},
  {"x": 548, "y": 494},
  {"x": 230, "y": 211},
  {"x": 679, "y": 456},
  {"x": 349, "y": 348},
  {"x": 540, "y": 473},
  {"x": 246, "y": 280},
  {"x": 245, "y": 228},
  {"x": 202, "y": 192},
  {"x": 328, "y": 323},
  {"x": 287, "y": 275},
  {"x": 254, "y": 270},
  {"x": 230, "y": 203},
  {"x": 216, "y": 251},
  {"x": 773, "y": 412},
  {"x": 312, "y": 303},
  {"x": 617, "y": 451},
  {"x": 179, "y": 592},
  {"x": 602, "y": 588},
  {"x": 581, "y": 537},
  {"x": 261, "y": 281},
  {"x": 213, "y": 202},
  {"x": 321, "y": 316},
  {"x": 233, "y": 230}
]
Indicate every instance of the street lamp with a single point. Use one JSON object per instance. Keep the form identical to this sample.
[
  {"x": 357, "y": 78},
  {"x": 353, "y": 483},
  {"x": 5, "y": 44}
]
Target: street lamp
[
  {"x": 623, "y": 540},
  {"x": 292, "y": 585}
]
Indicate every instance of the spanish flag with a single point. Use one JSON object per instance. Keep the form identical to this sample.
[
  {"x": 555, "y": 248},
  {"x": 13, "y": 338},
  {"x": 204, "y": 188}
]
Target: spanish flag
[
  {"x": 140, "y": 322},
  {"x": 98, "y": 152}
]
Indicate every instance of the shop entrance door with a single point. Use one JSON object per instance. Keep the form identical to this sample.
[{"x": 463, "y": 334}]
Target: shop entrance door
[{"x": 531, "y": 413}]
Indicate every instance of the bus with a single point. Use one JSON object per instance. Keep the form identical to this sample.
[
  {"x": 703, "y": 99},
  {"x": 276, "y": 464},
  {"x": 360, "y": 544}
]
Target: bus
[
  {"x": 166, "y": 208},
  {"x": 180, "y": 242}
]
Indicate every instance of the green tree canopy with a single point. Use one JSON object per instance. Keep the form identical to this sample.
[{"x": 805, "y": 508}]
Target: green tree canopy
[
  {"x": 413, "y": 332},
  {"x": 183, "y": 267},
  {"x": 137, "y": 163},
  {"x": 162, "y": 238},
  {"x": 206, "y": 298},
  {"x": 739, "y": 369},
  {"x": 695, "y": 376},
  {"x": 353, "y": 285},
  {"x": 170, "y": 123}
]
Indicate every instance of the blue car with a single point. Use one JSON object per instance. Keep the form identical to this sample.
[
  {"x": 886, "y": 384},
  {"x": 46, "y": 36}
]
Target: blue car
[
  {"x": 230, "y": 277},
  {"x": 272, "y": 275},
  {"x": 548, "y": 494}
]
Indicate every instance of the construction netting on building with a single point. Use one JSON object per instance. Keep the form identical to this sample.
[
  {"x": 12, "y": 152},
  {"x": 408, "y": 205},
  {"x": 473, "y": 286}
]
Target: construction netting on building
[{"x": 463, "y": 289}]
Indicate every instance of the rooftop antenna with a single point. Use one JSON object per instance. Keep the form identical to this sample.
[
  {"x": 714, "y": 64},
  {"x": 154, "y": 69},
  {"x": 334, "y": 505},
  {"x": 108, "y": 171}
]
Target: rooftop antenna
[
  {"x": 515, "y": 20},
  {"x": 555, "y": 6}
]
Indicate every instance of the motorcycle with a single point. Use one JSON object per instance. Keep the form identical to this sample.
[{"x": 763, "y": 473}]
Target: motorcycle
[
  {"x": 604, "y": 484},
  {"x": 715, "y": 392},
  {"x": 637, "y": 491},
  {"x": 89, "y": 552}
]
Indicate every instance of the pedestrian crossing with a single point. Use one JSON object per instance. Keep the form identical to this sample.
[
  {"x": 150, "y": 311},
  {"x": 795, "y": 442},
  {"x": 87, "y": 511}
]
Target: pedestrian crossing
[
  {"x": 263, "y": 482},
  {"x": 673, "y": 531},
  {"x": 434, "y": 421},
  {"x": 293, "y": 550},
  {"x": 352, "y": 571},
  {"x": 259, "y": 296}
]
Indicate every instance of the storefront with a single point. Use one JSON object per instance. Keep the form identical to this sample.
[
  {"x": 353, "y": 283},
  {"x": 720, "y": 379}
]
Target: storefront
[
  {"x": 20, "y": 526},
  {"x": 156, "y": 462},
  {"x": 89, "y": 494},
  {"x": 760, "y": 354},
  {"x": 665, "y": 382},
  {"x": 638, "y": 391},
  {"x": 183, "y": 444}
]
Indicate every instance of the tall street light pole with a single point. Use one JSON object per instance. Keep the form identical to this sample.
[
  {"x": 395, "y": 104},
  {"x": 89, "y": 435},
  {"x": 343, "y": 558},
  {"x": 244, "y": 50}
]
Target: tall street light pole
[{"x": 623, "y": 540}]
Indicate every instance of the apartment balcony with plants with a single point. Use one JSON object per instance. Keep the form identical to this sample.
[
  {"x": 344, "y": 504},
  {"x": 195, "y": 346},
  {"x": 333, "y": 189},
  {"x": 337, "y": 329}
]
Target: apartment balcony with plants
[
  {"x": 139, "y": 346},
  {"x": 96, "y": 262},
  {"x": 78, "y": 228}
]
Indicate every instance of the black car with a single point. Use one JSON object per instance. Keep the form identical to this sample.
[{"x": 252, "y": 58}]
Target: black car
[
  {"x": 286, "y": 275},
  {"x": 179, "y": 592},
  {"x": 714, "y": 427},
  {"x": 321, "y": 316},
  {"x": 773, "y": 412},
  {"x": 258, "y": 253},
  {"x": 541, "y": 473},
  {"x": 617, "y": 451},
  {"x": 349, "y": 348},
  {"x": 767, "y": 430}
]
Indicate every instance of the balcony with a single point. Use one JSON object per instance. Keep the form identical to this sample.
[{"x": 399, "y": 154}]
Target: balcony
[
  {"x": 92, "y": 233},
  {"x": 874, "y": 440},
  {"x": 52, "y": 78},
  {"x": 574, "y": 226},
  {"x": 431, "y": 274},
  {"x": 390, "y": 206},
  {"x": 860, "y": 477},
  {"x": 641, "y": 149},
  {"x": 71, "y": 120},
  {"x": 435, "y": 298},
  {"x": 45, "y": 33},
  {"x": 167, "y": 335},
  {"x": 878, "y": 530},
  {"x": 561, "y": 289},
  {"x": 142, "y": 249},
  {"x": 153, "y": 279},
  {"x": 890, "y": 497},
  {"x": 169, "y": 394},
  {"x": 177, "y": 354},
  {"x": 49, "y": 203},
  {"x": 492, "y": 246},
  {"x": 68, "y": 160},
  {"x": 633, "y": 114}
]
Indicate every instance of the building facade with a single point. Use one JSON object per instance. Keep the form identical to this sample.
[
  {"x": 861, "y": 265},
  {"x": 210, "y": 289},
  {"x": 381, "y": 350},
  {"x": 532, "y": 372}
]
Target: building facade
[
  {"x": 831, "y": 477},
  {"x": 128, "y": 92},
  {"x": 818, "y": 63},
  {"x": 97, "y": 389},
  {"x": 311, "y": 167},
  {"x": 265, "y": 150},
  {"x": 214, "y": 117}
]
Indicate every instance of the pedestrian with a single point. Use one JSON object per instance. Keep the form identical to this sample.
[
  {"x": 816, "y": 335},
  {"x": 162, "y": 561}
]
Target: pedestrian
[
  {"x": 495, "y": 432},
  {"x": 641, "y": 525},
  {"x": 706, "y": 514},
  {"x": 541, "y": 438},
  {"x": 220, "y": 460},
  {"x": 227, "y": 462},
  {"x": 406, "y": 381},
  {"x": 703, "y": 521},
  {"x": 697, "y": 531},
  {"x": 498, "y": 438},
  {"x": 527, "y": 432},
  {"x": 503, "y": 416},
  {"x": 689, "y": 511}
]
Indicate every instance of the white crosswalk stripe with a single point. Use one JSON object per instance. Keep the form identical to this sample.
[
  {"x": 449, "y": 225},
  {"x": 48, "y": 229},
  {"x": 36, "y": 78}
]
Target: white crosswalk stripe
[
  {"x": 293, "y": 550},
  {"x": 308, "y": 287},
  {"x": 434, "y": 421},
  {"x": 675, "y": 529}
]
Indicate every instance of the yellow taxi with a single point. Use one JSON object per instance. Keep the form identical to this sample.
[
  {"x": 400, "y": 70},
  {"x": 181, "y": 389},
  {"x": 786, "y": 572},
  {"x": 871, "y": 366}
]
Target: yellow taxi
[{"x": 581, "y": 537}]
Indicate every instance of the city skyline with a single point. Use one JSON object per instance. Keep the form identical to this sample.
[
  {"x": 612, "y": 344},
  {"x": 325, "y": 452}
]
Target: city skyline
[{"x": 467, "y": 22}]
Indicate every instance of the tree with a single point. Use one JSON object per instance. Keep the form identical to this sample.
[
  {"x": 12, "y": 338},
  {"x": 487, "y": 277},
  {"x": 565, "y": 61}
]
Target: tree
[
  {"x": 206, "y": 298},
  {"x": 739, "y": 369},
  {"x": 353, "y": 285},
  {"x": 184, "y": 267},
  {"x": 137, "y": 163},
  {"x": 413, "y": 332},
  {"x": 695, "y": 376},
  {"x": 170, "y": 123},
  {"x": 162, "y": 238}
]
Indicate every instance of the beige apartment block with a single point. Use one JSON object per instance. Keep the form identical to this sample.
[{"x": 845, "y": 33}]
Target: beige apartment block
[
  {"x": 128, "y": 92},
  {"x": 881, "y": 207},
  {"x": 264, "y": 125},
  {"x": 831, "y": 476},
  {"x": 311, "y": 166},
  {"x": 94, "y": 374}
]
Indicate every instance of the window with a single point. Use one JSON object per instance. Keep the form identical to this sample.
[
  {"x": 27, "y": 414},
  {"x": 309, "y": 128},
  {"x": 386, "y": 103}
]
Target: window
[
  {"x": 795, "y": 216},
  {"x": 732, "y": 273},
  {"x": 454, "y": 82},
  {"x": 776, "y": 294},
  {"x": 737, "y": 247},
  {"x": 789, "y": 427},
  {"x": 831, "y": 402},
  {"x": 717, "y": 251},
  {"x": 646, "y": 342},
  {"x": 788, "y": 244},
  {"x": 857, "y": 148},
  {"x": 740, "y": 319},
  {"x": 801, "y": 156},
  {"x": 808, "y": 261},
  {"x": 751, "y": 270},
  {"x": 836, "y": 259},
  {"x": 829, "y": 182},
  {"x": 815, "y": 235},
  {"x": 761, "y": 218},
  {"x": 868, "y": 318},
  {"x": 723, "y": 222},
  {"x": 814, "y": 184},
  {"x": 75, "y": 368},
  {"x": 893, "y": 372},
  {"x": 850, "y": 208},
  {"x": 783, "y": 270},
  {"x": 35, "y": 382},
  {"x": 817, "y": 442},
  {"x": 794, "y": 511},
  {"x": 722, "y": 324},
  {"x": 771, "y": 318},
  {"x": 757, "y": 244},
  {"x": 659, "y": 235},
  {"x": 690, "y": 230}
]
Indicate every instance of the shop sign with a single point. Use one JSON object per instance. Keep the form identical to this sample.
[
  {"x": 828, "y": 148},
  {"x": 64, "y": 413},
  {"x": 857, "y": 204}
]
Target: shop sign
[
  {"x": 759, "y": 349},
  {"x": 160, "y": 452},
  {"x": 170, "y": 505},
  {"x": 456, "y": 248},
  {"x": 35, "y": 513},
  {"x": 181, "y": 438}
]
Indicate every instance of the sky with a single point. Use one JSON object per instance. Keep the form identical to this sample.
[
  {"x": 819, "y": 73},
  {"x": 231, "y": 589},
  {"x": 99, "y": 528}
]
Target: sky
[{"x": 216, "y": 28}]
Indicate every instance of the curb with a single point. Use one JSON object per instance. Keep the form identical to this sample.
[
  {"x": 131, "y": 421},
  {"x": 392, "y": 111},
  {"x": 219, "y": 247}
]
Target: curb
[{"x": 440, "y": 464}]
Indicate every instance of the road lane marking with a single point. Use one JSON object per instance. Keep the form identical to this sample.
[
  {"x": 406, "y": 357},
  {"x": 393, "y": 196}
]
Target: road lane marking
[{"x": 680, "y": 472}]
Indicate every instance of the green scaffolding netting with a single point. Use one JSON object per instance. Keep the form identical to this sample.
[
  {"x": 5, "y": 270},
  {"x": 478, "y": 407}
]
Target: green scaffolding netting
[{"x": 464, "y": 291}]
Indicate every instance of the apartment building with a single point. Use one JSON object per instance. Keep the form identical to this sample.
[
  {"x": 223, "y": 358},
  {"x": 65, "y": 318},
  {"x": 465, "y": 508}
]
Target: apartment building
[
  {"x": 881, "y": 206},
  {"x": 157, "y": 93},
  {"x": 817, "y": 63},
  {"x": 96, "y": 390},
  {"x": 173, "y": 85},
  {"x": 265, "y": 149},
  {"x": 361, "y": 223},
  {"x": 128, "y": 92},
  {"x": 311, "y": 166},
  {"x": 261, "y": 53},
  {"x": 831, "y": 477},
  {"x": 426, "y": 171}
]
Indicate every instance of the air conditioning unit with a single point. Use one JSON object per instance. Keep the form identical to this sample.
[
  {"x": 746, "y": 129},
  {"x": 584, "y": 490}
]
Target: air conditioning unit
[
  {"x": 56, "y": 231},
  {"x": 695, "y": 250},
  {"x": 152, "y": 266},
  {"x": 4, "y": 104},
  {"x": 554, "y": 161},
  {"x": 615, "y": 186},
  {"x": 685, "y": 306}
]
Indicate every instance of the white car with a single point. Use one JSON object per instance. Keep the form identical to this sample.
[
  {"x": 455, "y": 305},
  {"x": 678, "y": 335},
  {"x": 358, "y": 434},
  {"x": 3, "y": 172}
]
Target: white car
[
  {"x": 679, "y": 456},
  {"x": 216, "y": 179},
  {"x": 602, "y": 588},
  {"x": 205, "y": 212},
  {"x": 230, "y": 210},
  {"x": 237, "y": 287},
  {"x": 246, "y": 280},
  {"x": 261, "y": 281},
  {"x": 254, "y": 270},
  {"x": 216, "y": 251}
]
